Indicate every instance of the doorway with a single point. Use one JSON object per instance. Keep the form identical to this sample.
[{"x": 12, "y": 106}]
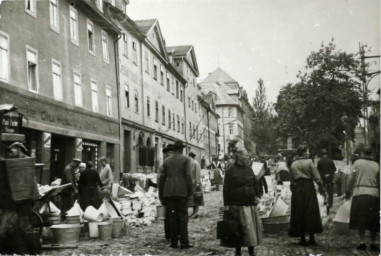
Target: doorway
[{"x": 127, "y": 152}]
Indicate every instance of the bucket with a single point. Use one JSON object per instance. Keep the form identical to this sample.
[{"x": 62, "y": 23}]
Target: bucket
[
  {"x": 160, "y": 212},
  {"x": 53, "y": 220},
  {"x": 66, "y": 233},
  {"x": 117, "y": 225},
  {"x": 93, "y": 229},
  {"x": 105, "y": 230},
  {"x": 92, "y": 214},
  {"x": 72, "y": 219}
]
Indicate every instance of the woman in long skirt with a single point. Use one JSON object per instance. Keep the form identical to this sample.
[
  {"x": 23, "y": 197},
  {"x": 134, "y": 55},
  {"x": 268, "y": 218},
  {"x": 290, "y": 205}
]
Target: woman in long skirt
[{"x": 305, "y": 213}]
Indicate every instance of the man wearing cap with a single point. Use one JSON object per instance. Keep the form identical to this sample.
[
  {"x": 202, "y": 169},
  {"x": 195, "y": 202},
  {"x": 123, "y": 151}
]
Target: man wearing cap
[
  {"x": 167, "y": 151},
  {"x": 69, "y": 195},
  {"x": 175, "y": 187},
  {"x": 17, "y": 150},
  {"x": 106, "y": 177},
  {"x": 327, "y": 169}
]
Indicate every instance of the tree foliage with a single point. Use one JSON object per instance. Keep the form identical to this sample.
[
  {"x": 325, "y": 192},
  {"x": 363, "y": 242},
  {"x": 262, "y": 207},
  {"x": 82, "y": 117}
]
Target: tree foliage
[
  {"x": 326, "y": 102},
  {"x": 264, "y": 129}
]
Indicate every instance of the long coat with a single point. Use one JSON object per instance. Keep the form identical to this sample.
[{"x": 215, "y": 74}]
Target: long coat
[
  {"x": 68, "y": 195},
  {"x": 89, "y": 181},
  {"x": 175, "y": 179},
  {"x": 196, "y": 179}
]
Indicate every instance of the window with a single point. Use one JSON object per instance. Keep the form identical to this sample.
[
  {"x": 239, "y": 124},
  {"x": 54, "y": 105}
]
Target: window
[
  {"x": 134, "y": 53},
  {"x": 192, "y": 105},
  {"x": 154, "y": 69},
  {"x": 4, "y": 57},
  {"x": 32, "y": 70},
  {"x": 182, "y": 125},
  {"x": 108, "y": 101},
  {"x": 194, "y": 82},
  {"x": 136, "y": 102},
  {"x": 190, "y": 130},
  {"x": 173, "y": 85},
  {"x": 177, "y": 89},
  {"x": 178, "y": 123},
  {"x": 195, "y": 107},
  {"x": 100, "y": 5},
  {"x": 54, "y": 18},
  {"x": 156, "y": 111},
  {"x": 163, "y": 114},
  {"x": 231, "y": 129},
  {"x": 229, "y": 111},
  {"x": 148, "y": 106},
  {"x": 113, "y": 2},
  {"x": 94, "y": 95},
  {"x": 57, "y": 80},
  {"x": 189, "y": 102},
  {"x": 77, "y": 89},
  {"x": 168, "y": 83},
  {"x": 30, "y": 7},
  {"x": 127, "y": 95},
  {"x": 90, "y": 37},
  {"x": 125, "y": 45},
  {"x": 169, "y": 119},
  {"x": 146, "y": 61},
  {"x": 105, "y": 47},
  {"x": 74, "y": 26},
  {"x": 174, "y": 122},
  {"x": 161, "y": 75},
  {"x": 181, "y": 94}
]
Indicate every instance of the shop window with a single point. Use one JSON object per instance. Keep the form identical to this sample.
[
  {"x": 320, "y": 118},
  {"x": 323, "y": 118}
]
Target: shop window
[{"x": 32, "y": 69}]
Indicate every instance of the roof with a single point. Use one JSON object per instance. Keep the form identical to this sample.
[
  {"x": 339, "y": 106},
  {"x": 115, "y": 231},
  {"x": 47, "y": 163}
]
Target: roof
[
  {"x": 220, "y": 91},
  {"x": 145, "y": 25},
  {"x": 218, "y": 75},
  {"x": 179, "y": 50}
]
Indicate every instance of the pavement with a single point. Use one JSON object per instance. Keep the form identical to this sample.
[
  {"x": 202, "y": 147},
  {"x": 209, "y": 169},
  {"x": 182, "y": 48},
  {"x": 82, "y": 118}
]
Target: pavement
[{"x": 149, "y": 240}]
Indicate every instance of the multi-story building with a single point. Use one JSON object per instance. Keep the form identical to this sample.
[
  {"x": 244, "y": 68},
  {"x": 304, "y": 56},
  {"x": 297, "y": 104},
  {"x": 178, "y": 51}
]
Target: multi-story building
[
  {"x": 185, "y": 62},
  {"x": 227, "y": 97},
  {"x": 58, "y": 67}
]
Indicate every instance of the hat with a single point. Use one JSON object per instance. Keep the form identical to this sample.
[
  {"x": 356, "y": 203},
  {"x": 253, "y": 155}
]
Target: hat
[
  {"x": 19, "y": 145},
  {"x": 103, "y": 158},
  {"x": 179, "y": 144},
  {"x": 324, "y": 151},
  {"x": 191, "y": 154},
  {"x": 169, "y": 147},
  {"x": 77, "y": 160}
]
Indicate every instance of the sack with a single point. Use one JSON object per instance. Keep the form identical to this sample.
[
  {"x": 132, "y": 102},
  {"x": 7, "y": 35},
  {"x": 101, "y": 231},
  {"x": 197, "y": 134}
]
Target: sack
[{"x": 229, "y": 230}]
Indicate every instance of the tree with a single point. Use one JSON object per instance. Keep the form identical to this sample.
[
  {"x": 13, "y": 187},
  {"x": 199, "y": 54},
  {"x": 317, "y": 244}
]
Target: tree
[
  {"x": 264, "y": 131},
  {"x": 312, "y": 111}
]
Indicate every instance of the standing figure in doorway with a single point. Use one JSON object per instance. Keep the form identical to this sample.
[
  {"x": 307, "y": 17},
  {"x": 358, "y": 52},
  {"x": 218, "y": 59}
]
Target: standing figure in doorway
[{"x": 175, "y": 187}]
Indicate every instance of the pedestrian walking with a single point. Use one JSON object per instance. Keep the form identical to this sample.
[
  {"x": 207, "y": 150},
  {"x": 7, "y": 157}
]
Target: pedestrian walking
[
  {"x": 217, "y": 172},
  {"x": 364, "y": 186},
  {"x": 241, "y": 195},
  {"x": 68, "y": 196},
  {"x": 305, "y": 214},
  {"x": 88, "y": 186},
  {"x": 167, "y": 151},
  {"x": 175, "y": 187},
  {"x": 198, "y": 198},
  {"x": 327, "y": 169},
  {"x": 106, "y": 176},
  {"x": 203, "y": 163}
]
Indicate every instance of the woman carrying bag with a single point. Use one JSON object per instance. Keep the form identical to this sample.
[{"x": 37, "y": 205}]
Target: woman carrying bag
[{"x": 241, "y": 225}]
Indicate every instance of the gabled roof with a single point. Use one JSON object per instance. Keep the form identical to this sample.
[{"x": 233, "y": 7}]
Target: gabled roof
[
  {"x": 187, "y": 52},
  {"x": 145, "y": 25},
  {"x": 218, "y": 75},
  {"x": 151, "y": 29},
  {"x": 222, "y": 97}
]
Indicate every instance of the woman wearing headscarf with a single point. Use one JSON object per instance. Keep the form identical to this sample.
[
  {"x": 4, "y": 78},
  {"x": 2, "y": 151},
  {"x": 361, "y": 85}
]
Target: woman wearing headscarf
[
  {"x": 241, "y": 195},
  {"x": 305, "y": 213}
]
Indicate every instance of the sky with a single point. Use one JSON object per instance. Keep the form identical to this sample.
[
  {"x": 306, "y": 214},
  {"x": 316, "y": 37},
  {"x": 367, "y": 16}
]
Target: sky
[{"x": 267, "y": 39}]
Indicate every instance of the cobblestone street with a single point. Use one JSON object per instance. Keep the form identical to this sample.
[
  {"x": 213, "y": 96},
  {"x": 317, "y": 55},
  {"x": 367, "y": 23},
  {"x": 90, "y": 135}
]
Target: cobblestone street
[{"x": 149, "y": 240}]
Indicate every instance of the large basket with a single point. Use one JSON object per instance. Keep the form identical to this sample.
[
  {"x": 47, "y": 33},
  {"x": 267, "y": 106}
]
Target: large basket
[{"x": 21, "y": 177}]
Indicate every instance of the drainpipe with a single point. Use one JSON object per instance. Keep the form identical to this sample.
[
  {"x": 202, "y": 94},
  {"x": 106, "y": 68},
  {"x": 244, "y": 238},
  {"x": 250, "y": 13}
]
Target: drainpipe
[{"x": 121, "y": 146}]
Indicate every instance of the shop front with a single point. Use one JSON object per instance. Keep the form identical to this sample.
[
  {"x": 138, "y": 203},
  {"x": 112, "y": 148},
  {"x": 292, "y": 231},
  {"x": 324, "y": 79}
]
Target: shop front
[{"x": 55, "y": 133}]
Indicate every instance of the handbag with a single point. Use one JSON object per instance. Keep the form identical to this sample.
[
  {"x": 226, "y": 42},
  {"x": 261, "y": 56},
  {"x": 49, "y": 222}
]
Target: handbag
[
  {"x": 229, "y": 230},
  {"x": 197, "y": 194}
]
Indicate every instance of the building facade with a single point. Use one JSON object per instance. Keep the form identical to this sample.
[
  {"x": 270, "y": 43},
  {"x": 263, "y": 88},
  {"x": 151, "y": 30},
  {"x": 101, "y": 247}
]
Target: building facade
[{"x": 58, "y": 67}]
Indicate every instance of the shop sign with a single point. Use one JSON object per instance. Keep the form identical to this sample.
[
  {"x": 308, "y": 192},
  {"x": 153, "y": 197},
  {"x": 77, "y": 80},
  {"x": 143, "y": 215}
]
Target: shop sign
[
  {"x": 47, "y": 139},
  {"x": 79, "y": 144},
  {"x": 10, "y": 122}
]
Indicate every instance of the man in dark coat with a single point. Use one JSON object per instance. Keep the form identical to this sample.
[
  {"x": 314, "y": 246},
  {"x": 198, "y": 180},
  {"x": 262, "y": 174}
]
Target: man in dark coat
[
  {"x": 175, "y": 186},
  {"x": 88, "y": 184},
  {"x": 327, "y": 169},
  {"x": 68, "y": 196}
]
